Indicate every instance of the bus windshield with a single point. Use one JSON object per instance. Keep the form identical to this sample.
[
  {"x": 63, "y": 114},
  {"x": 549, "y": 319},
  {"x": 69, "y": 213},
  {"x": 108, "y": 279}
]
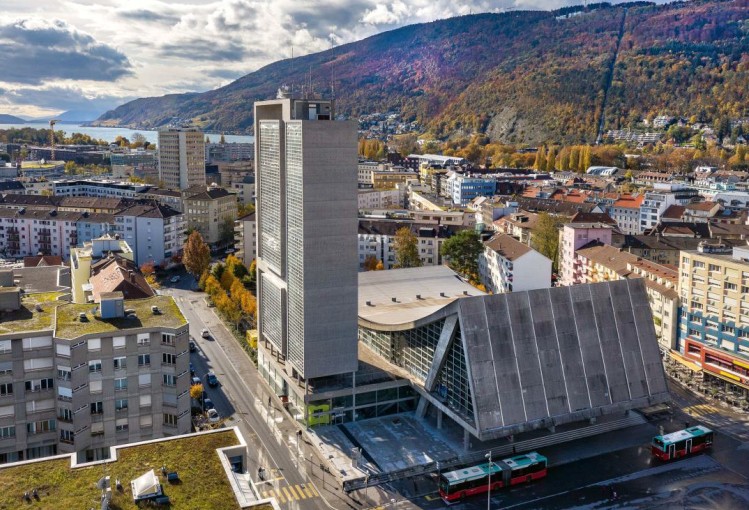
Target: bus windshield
[
  {"x": 444, "y": 485},
  {"x": 658, "y": 442}
]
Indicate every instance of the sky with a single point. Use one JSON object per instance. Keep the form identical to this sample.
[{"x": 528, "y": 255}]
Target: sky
[{"x": 60, "y": 55}]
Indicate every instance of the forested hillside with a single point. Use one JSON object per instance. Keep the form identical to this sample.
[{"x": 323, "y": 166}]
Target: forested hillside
[{"x": 520, "y": 77}]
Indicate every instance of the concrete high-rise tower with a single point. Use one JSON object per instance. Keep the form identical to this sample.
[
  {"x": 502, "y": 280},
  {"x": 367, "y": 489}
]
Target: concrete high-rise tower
[
  {"x": 181, "y": 157},
  {"x": 306, "y": 228}
]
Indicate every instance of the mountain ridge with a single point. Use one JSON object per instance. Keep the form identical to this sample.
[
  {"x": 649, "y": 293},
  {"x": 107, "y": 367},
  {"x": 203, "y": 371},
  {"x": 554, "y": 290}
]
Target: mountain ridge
[{"x": 518, "y": 77}]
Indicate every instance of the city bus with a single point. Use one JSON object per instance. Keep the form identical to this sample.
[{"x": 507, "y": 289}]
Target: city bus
[
  {"x": 681, "y": 443},
  {"x": 472, "y": 480}
]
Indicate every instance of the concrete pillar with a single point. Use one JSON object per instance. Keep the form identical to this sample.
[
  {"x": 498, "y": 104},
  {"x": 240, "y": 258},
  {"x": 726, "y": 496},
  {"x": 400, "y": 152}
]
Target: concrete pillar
[
  {"x": 439, "y": 419},
  {"x": 466, "y": 440},
  {"x": 421, "y": 408}
]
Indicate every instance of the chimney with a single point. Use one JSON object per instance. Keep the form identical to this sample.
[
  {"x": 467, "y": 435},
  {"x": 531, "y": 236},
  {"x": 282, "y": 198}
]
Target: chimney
[{"x": 442, "y": 294}]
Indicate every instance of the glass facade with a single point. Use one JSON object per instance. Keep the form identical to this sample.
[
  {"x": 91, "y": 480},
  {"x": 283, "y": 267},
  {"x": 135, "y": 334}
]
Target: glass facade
[
  {"x": 269, "y": 181},
  {"x": 453, "y": 385},
  {"x": 295, "y": 243},
  {"x": 271, "y": 312}
]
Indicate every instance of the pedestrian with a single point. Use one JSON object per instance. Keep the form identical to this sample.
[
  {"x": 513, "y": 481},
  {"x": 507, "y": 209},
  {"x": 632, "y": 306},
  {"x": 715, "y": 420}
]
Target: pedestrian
[{"x": 268, "y": 400}]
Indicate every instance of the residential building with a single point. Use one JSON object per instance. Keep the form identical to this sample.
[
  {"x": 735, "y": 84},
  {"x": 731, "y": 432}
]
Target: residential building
[
  {"x": 376, "y": 239},
  {"x": 657, "y": 201},
  {"x": 306, "y": 224},
  {"x": 245, "y": 233},
  {"x": 155, "y": 232},
  {"x": 233, "y": 151},
  {"x": 626, "y": 213},
  {"x": 26, "y": 232},
  {"x": 364, "y": 172},
  {"x": 507, "y": 265},
  {"x": 701, "y": 212},
  {"x": 82, "y": 259},
  {"x": 572, "y": 237},
  {"x": 80, "y": 379},
  {"x": 381, "y": 199},
  {"x": 211, "y": 210},
  {"x": 714, "y": 320},
  {"x": 389, "y": 178},
  {"x": 464, "y": 188},
  {"x": 181, "y": 157},
  {"x": 519, "y": 225}
]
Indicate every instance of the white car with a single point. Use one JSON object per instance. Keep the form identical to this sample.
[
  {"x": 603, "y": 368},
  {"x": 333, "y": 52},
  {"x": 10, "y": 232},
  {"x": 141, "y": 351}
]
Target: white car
[
  {"x": 205, "y": 334},
  {"x": 213, "y": 416}
]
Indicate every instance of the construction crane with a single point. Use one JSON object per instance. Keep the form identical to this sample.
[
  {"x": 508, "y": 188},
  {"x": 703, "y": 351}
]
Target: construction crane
[{"x": 52, "y": 123}]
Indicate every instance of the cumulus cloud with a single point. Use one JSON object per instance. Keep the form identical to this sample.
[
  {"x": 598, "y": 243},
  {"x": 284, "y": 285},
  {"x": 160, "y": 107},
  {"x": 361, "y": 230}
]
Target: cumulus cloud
[
  {"x": 148, "y": 16},
  {"x": 32, "y": 51}
]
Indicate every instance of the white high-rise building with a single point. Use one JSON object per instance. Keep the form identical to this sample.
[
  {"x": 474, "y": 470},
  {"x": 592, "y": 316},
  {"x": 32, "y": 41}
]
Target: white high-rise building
[
  {"x": 181, "y": 157},
  {"x": 306, "y": 231}
]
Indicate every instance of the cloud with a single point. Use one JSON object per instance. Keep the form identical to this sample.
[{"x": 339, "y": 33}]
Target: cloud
[
  {"x": 203, "y": 49},
  {"x": 32, "y": 51},
  {"x": 149, "y": 16}
]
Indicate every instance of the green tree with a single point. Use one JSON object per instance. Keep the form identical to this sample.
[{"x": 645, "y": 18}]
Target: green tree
[
  {"x": 196, "y": 255},
  {"x": 462, "y": 253},
  {"x": 545, "y": 237},
  {"x": 406, "y": 249},
  {"x": 71, "y": 168},
  {"x": 226, "y": 231}
]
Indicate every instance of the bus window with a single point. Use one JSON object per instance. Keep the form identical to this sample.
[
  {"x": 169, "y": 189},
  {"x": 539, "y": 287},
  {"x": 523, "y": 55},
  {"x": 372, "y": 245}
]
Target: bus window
[{"x": 658, "y": 442}]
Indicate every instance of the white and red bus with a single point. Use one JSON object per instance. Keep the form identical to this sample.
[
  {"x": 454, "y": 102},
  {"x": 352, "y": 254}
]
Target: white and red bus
[
  {"x": 469, "y": 481},
  {"x": 682, "y": 442}
]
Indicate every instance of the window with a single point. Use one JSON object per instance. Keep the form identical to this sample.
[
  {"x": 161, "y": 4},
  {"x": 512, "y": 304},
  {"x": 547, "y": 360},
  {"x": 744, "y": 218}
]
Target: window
[
  {"x": 5, "y": 346},
  {"x": 713, "y": 267},
  {"x": 168, "y": 359},
  {"x": 144, "y": 360},
  {"x": 39, "y": 427},
  {"x": 170, "y": 420},
  {"x": 118, "y": 342},
  {"x": 95, "y": 386},
  {"x": 94, "y": 366},
  {"x": 63, "y": 373},
  {"x": 146, "y": 421},
  {"x": 6, "y": 389},
  {"x": 167, "y": 338},
  {"x": 120, "y": 363},
  {"x": 731, "y": 286},
  {"x": 120, "y": 425},
  {"x": 67, "y": 436},
  {"x": 65, "y": 414},
  {"x": 170, "y": 380},
  {"x": 97, "y": 407},
  {"x": 120, "y": 404},
  {"x": 39, "y": 384},
  {"x": 727, "y": 329},
  {"x": 144, "y": 339},
  {"x": 7, "y": 431},
  {"x": 120, "y": 384},
  {"x": 94, "y": 344},
  {"x": 63, "y": 350},
  {"x": 699, "y": 264}
]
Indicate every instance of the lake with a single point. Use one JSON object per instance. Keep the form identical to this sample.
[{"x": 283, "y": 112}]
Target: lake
[{"x": 110, "y": 134}]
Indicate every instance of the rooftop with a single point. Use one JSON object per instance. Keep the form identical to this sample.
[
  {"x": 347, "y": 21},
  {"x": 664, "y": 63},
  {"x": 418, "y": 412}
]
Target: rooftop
[
  {"x": 69, "y": 326},
  {"x": 27, "y": 318},
  {"x": 507, "y": 246},
  {"x": 193, "y": 457},
  {"x": 418, "y": 294}
]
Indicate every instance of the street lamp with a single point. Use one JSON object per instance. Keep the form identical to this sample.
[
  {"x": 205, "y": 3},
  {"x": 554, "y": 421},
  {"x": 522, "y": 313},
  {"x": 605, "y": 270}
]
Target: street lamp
[{"x": 489, "y": 493}]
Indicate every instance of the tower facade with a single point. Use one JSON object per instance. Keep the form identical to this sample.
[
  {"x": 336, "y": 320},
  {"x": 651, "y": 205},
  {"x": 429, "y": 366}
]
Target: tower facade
[
  {"x": 181, "y": 157},
  {"x": 306, "y": 215}
]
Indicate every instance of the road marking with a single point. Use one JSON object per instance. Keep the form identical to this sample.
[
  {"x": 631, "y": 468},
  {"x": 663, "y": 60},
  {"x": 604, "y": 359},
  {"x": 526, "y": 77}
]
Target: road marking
[
  {"x": 310, "y": 490},
  {"x": 272, "y": 494},
  {"x": 701, "y": 409},
  {"x": 429, "y": 497}
]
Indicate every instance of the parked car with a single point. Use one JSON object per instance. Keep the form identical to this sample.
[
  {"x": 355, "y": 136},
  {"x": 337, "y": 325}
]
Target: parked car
[
  {"x": 205, "y": 333},
  {"x": 174, "y": 279},
  {"x": 194, "y": 381},
  {"x": 193, "y": 347},
  {"x": 192, "y": 369},
  {"x": 213, "y": 416},
  {"x": 212, "y": 379},
  {"x": 208, "y": 404}
]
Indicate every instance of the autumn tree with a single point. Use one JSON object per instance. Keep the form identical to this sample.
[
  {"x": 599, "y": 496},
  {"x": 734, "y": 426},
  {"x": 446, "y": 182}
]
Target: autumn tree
[
  {"x": 406, "y": 249},
  {"x": 540, "y": 162},
  {"x": 462, "y": 253},
  {"x": 370, "y": 263},
  {"x": 196, "y": 391},
  {"x": 551, "y": 160},
  {"x": 545, "y": 237},
  {"x": 196, "y": 255}
]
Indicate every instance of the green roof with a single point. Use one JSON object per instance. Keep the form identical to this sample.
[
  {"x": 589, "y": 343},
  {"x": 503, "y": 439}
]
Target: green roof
[
  {"x": 27, "y": 318},
  {"x": 203, "y": 482},
  {"x": 69, "y": 326}
]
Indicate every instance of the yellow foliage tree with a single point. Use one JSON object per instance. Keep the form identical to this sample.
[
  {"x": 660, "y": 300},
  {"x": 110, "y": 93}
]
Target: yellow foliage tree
[{"x": 196, "y": 391}]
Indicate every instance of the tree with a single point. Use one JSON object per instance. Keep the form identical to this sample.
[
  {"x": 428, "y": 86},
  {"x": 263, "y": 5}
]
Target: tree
[
  {"x": 222, "y": 140},
  {"x": 370, "y": 263},
  {"x": 148, "y": 269},
  {"x": 551, "y": 160},
  {"x": 380, "y": 266},
  {"x": 462, "y": 252},
  {"x": 540, "y": 163},
  {"x": 196, "y": 391},
  {"x": 71, "y": 168},
  {"x": 545, "y": 238},
  {"x": 406, "y": 249},
  {"x": 226, "y": 231},
  {"x": 196, "y": 255}
]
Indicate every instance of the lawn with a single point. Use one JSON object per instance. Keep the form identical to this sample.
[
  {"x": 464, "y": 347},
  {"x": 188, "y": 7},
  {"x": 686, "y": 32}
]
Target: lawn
[
  {"x": 203, "y": 483},
  {"x": 70, "y": 326},
  {"x": 27, "y": 318}
]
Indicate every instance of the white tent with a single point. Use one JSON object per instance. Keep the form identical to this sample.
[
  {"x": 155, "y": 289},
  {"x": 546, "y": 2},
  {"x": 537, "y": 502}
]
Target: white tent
[{"x": 146, "y": 486}]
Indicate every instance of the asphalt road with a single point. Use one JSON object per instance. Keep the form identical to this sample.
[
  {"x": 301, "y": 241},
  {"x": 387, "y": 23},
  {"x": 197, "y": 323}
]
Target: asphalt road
[{"x": 294, "y": 481}]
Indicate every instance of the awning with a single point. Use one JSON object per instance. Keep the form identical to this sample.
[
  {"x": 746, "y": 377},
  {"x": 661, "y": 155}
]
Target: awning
[
  {"x": 146, "y": 486},
  {"x": 676, "y": 356}
]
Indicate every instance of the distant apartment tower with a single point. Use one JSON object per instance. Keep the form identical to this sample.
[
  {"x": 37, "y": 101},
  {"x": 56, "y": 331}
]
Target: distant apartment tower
[
  {"x": 181, "y": 157},
  {"x": 306, "y": 232}
]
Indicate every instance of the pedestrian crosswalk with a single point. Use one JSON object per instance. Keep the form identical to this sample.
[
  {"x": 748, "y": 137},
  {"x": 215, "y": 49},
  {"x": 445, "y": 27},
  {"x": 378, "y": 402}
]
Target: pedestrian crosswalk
[
  {"x": 291, "y": 493},
  {"x": 701, "y": 410}
]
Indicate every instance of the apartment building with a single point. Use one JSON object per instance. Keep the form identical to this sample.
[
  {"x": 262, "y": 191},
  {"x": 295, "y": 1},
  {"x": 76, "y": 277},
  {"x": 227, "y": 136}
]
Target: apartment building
[
  {"x": 714, "y": 320},
  {"x": 381, "y": 199},
  {"x": 519, "y": 225},
  {"x": 365, "y": 170},
  {"x": 155, "y": 232},
  {"x": 462, "y": 189},
  {"x": 376, "y": 239},
  {"x": 181, "y": 157},
  {"x": 25, "y": 232},
  {"x": 626, "y": 213},
  {"x": 245, "y": 234},
  {"x": 572, "y": 237},
  {"x": 77, "y": 378},
  {"x": 211, "y": 210},
  {"x": 507, "y": 265},
  {"x": 657, "y": 201},
  {"x": 389, "y": 178}
]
